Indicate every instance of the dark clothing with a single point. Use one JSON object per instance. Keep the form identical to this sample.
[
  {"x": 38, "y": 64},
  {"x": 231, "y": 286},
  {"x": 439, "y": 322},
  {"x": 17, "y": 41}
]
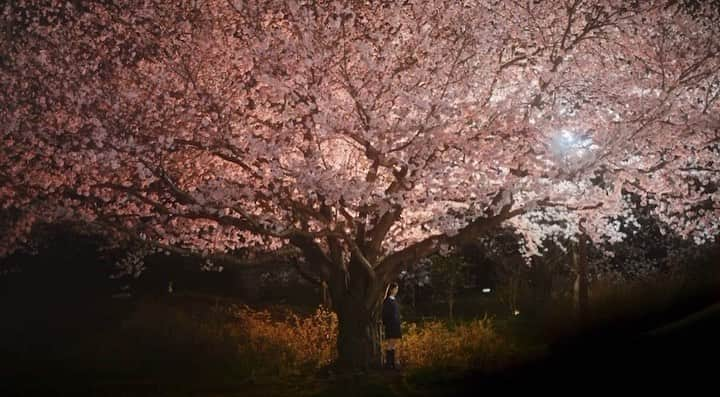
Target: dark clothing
[
  {"x": 391, "y": 318},
  {"x": 390, "y": 359}
]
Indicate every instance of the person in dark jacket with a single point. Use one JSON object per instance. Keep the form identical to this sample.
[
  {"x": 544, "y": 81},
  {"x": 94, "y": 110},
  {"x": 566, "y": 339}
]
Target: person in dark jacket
[{"x": 391, "y": 321}]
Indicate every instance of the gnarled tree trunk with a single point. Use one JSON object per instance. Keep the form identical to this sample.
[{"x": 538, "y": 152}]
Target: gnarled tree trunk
[
  {"x": 357, "y": 299},
  {"x": 359, "y": 336},
  {"x": 357, "y": 273}
]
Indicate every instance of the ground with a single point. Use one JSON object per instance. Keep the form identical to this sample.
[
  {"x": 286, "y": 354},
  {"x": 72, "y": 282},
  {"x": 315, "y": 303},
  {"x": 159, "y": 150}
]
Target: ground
[{"x": 677, "y": 350}]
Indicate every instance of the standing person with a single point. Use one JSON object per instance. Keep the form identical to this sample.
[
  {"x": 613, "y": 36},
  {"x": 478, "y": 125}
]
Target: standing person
[{"x": 391, "y": 320}]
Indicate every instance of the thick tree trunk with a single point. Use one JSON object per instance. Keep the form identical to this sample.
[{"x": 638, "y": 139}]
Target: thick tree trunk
[
  {"x": 357, "y": 301},
  {"x": 356, "y": 294},
  {"x": 359, "y": 336}
]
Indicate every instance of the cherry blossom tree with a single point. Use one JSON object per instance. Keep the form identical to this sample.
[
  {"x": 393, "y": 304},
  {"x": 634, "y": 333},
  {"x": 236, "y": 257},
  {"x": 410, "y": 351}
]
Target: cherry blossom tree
[{"x": 358, "y": 135}]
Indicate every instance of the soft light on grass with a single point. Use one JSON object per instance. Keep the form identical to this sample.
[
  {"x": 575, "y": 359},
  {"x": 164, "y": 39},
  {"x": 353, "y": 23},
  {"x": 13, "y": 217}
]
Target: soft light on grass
[
  {"x": 289, "y": 344},
  {"x": 249, "y": 343},
  {"x": 472, "y": 344}
]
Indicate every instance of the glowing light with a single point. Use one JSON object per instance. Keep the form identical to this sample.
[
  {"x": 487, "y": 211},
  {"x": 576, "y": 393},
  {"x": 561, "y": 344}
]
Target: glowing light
[
  {"x": 486, "y": 290},
  {"x": 568, "y": 144},
  {"x": 568, "y": 137}
]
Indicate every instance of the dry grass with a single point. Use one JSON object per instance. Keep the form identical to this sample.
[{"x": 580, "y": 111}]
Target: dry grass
[
  {"x": 434, "y": 344},
  {"x": 290, "y": 343},
  {"x": 285, "y": 342},
  {"x": 238, "y": 343}
]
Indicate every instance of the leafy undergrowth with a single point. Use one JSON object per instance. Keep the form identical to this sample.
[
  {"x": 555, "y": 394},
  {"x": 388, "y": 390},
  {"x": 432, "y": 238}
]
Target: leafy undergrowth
[
  {"x": 178, "y": 346},
  {"x": 468, "y": 344},
  {"x": 169, "y": 346}
]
